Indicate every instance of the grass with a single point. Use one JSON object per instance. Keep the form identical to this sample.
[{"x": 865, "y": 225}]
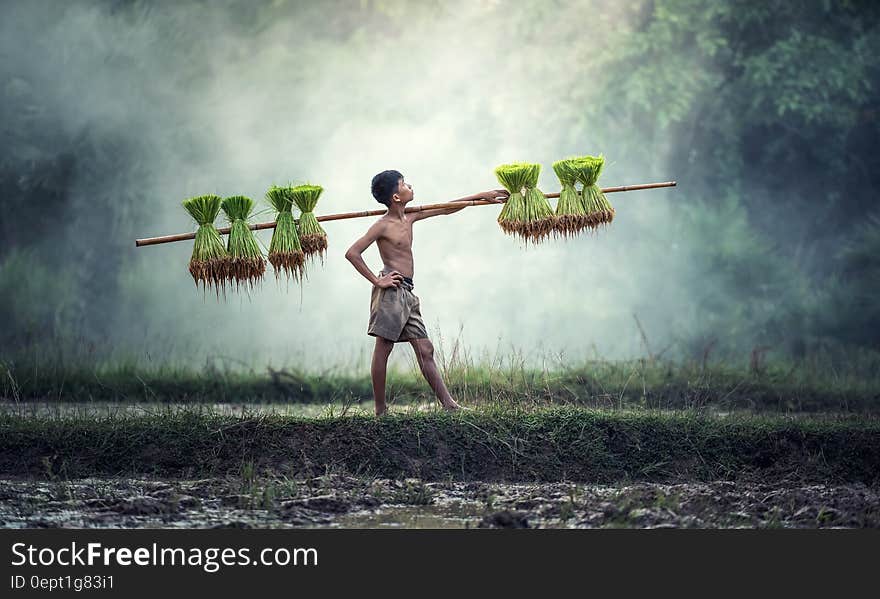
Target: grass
[
  {"x": 496, "y": 443},
  {"x": 812, "y": 385}
]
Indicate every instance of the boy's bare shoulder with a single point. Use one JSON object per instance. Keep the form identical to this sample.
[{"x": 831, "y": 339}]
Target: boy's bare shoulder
[
  {"x": 378, "y": 227},
  {"x": 380, "y": 222}
]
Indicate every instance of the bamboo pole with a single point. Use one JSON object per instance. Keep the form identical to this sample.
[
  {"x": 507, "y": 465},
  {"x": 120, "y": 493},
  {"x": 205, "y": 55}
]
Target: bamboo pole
[{"x": 467, "y": 201}]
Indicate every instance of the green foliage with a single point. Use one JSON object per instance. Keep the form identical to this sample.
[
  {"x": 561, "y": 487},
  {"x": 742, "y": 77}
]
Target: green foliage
[
  {"x": 768, "y": 111},
  {"x": 36, "y": 300},
  {"x": 854, "y": 289}
]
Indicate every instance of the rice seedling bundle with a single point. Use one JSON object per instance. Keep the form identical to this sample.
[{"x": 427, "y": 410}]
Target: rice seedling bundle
[
  {"x": 513, "y": 177},
  {"x": 312, "y": 237},
  {"x": 245, "y": 262},
  {"x": 571, "y": 218},
  {"x": 208, "y": 262},
  {"x": 285, "y": 251},
  {"x": 596, "y": 205},
  {"x": 539, "y": 218}
]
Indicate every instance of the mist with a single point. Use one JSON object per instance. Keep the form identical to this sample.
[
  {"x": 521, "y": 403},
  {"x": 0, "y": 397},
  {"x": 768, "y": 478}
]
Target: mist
[{"x": 180, "y": 100}]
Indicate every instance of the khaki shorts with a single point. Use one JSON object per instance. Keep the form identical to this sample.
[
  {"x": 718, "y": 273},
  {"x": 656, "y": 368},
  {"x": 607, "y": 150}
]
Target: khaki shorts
[{"x": 395, "y": 315}]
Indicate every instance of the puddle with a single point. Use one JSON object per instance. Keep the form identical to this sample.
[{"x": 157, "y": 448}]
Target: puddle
[{"x": 423, "y": 516}]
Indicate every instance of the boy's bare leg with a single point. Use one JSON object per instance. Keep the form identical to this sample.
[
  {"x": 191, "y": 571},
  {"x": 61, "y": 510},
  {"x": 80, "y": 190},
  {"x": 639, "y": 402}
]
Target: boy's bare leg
[
  {"x": 377, "y": 372},
  {"x": 425, "y": 356}
]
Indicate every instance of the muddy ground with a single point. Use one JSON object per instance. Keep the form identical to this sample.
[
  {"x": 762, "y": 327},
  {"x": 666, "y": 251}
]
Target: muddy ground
[{"x": 337, "y": 501}]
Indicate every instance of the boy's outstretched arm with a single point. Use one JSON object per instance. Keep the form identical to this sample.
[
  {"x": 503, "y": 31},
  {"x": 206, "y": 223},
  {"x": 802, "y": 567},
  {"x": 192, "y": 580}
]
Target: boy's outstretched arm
[
  {"x": 491, "y": 195},
  {"x": 353, "y": 255}
]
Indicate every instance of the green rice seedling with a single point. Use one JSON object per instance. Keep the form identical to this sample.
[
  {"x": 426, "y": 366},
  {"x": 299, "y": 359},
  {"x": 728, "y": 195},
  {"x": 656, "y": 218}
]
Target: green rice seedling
[
  {"x": 245, "y": 262},
  {"x": 285, "y": 251},
  {"x": 596, "y": 205},
  {"x": 208, "y": 262},
  {"x": 513, "y": 177},
  {"x": 526, "y": 212},
  {"x": 539, "y": 220},
  {"x": 571, "y": 218},
  {"x": 311, "y": 235}
]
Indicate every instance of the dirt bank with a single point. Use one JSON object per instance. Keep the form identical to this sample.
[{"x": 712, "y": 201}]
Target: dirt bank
[{"x": 511, "y": 445}]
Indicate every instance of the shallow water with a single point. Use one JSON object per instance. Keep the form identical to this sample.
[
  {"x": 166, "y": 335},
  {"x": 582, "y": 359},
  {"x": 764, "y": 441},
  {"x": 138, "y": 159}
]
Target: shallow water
[{"x": 408, "y": 516}]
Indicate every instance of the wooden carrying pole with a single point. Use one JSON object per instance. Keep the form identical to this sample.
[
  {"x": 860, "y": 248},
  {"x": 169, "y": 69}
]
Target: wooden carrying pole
[{"x": 466, "y": 201}]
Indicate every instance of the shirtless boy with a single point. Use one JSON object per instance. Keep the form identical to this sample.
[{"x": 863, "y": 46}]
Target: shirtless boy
[{"x": 394, "y": 308}]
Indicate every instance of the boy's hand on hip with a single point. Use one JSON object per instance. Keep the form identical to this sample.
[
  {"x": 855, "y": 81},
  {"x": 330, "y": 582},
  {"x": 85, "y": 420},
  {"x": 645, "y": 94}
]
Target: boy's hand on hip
[{"x": 390, "y": 279}]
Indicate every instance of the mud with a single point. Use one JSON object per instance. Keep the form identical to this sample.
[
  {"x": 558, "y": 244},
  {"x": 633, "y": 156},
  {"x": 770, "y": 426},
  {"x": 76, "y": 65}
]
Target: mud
[{"x": 336, "y": 501}]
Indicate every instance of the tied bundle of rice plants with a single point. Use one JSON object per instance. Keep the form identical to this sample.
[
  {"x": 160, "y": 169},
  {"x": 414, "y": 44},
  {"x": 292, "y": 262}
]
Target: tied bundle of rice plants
[
  {"x": 245, "y": 263},
  {"x": 285, "y": 251},
  {"x": 596, "y": 205},
  {"x": 311, "y": 235},
  {"x": 513, "y": 177},
  {"x": 208, "y": 262},
  {"x": 571, "y": 218},
  {"x": 539, "y": 219}
]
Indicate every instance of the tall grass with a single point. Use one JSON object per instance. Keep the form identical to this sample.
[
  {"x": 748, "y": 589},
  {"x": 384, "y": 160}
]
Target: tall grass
[{"x": 820, "y": 382}]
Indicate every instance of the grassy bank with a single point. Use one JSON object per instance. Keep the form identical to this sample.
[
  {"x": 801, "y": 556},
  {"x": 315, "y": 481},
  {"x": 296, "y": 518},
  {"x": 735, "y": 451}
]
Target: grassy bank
[
  {"x": 802, "y": 387},
  {"x": 498, "y": 444}
]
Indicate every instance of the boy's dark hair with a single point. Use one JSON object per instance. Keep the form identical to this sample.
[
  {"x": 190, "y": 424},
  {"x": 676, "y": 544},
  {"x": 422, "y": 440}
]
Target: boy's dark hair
[{"x": 385, "y": 185}]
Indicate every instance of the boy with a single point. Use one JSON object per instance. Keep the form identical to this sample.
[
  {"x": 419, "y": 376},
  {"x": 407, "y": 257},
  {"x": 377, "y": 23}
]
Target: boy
[{"x": 394, "y": 308}]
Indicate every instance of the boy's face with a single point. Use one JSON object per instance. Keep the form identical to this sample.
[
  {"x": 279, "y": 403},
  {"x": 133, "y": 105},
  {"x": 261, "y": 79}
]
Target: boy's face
[{"x": 404, "y": 193}]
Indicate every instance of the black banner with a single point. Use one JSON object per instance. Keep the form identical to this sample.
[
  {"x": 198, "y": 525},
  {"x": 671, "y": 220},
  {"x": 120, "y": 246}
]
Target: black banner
[{"x": 128, "y": 563}]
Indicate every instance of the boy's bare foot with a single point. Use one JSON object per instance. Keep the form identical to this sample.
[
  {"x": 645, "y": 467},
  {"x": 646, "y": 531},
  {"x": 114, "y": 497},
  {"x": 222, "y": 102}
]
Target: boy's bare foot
[{"x": 453, "y": 406}]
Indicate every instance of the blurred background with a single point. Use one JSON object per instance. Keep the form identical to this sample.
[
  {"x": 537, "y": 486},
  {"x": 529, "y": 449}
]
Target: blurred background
[{"x": 766, "y": 113}]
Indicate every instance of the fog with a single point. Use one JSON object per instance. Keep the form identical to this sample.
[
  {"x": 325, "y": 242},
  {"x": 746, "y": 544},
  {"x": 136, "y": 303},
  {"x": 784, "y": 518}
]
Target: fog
[{"x": 219, "y": 98}]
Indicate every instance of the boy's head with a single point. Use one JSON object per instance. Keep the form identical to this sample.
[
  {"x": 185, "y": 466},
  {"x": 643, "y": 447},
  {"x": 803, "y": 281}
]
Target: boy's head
[{"x": 389, "y": 187}]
